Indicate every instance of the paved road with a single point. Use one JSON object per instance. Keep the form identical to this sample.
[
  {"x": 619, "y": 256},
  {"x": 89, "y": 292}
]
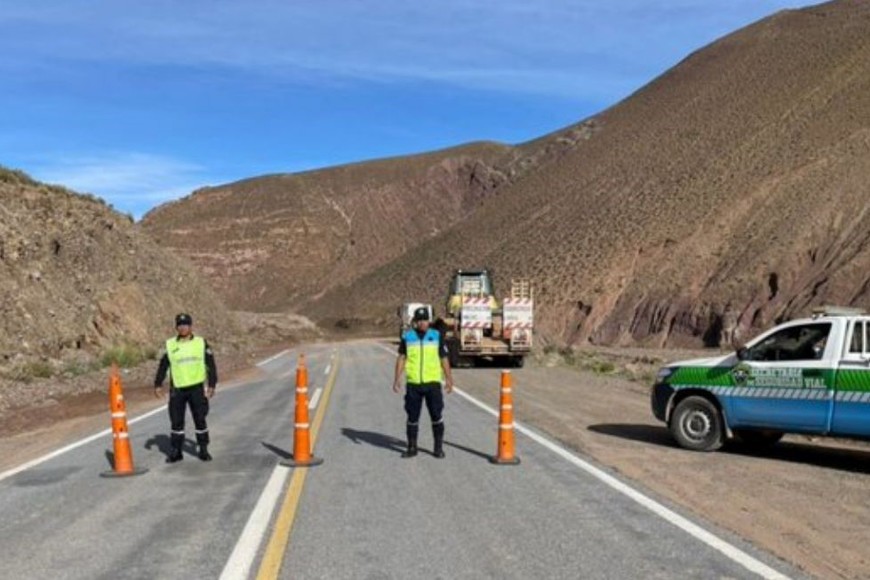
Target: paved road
[{"x": 364, "y": 513}]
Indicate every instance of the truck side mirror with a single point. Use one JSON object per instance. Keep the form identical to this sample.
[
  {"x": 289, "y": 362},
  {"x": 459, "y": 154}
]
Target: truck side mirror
[{"x": 742, "y": 353}]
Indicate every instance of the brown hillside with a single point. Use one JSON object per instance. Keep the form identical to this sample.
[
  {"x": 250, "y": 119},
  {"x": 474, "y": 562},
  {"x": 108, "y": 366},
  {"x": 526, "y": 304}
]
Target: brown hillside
[
  {"x": 77, "y": 278},
  {"x": 268, "y": 243},
  {"x": 740, "y": 176}
]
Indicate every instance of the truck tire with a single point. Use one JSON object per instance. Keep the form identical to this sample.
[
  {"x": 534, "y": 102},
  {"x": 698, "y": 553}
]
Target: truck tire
[
  {"x": 519, "y": 361},
  {"x": 697, "y": 424},
  {"x": 453, "y": 352},
  {"x": 758, "y": 438}
]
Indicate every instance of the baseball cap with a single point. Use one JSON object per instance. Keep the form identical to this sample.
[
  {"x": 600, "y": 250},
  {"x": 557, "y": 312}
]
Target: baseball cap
[
  {"x": 421, "y": 314},
  {"x": 183, "y": 319}
]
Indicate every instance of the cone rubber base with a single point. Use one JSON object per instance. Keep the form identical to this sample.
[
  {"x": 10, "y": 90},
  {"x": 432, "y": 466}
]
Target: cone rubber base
[
  {"x": 498, "y": 461},
  {"x": 123, "y": 474},
  {"x": 310, "y": 463}
]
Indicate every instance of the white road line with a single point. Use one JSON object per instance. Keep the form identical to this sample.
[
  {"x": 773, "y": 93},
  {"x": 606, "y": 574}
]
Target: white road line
[
  {"x": 71, "y": 446},
  {"x": 327, "y": 369},
  {"x": 312, "y": 404},
  {"x": 242, "y": 558},
  {"x": 272, "y": 358},
  {"x": 732, "y": 552}
]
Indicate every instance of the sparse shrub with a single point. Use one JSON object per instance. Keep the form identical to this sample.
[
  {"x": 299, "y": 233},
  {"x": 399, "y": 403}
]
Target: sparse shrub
[
  {"x": 602, "y": 367},
  {"x": 125, "y": 355},
  {"x": 28, "y": 371},
  {"x": 78, "y": 368}
]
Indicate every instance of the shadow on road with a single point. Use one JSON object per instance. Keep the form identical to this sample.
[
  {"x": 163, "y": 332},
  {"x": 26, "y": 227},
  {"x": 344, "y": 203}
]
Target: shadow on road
[
  {"x": 644, "y": 433},
  {"x": 164, "y": 445},
  {"x": 372, "y": 438},
  {"x": 277, "y": 450},
  {"x": 847, "y": 460},
  {"x": 468, "y": 450}
]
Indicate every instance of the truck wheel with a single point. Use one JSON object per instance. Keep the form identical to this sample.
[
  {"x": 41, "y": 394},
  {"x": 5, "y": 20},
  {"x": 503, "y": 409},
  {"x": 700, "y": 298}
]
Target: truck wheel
[
  {"x": 754, "y": 438},
  {"x": 453, "y": 352},
  {"x": 519, "y": 361},
  {"x": 697, "y": 424}
]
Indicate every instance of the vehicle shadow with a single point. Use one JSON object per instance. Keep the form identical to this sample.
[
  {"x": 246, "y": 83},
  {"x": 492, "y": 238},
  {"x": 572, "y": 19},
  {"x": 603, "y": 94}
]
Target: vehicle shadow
[
  {"x": 375, "y": 439},
  {"x": 643, "y": 433},
  {"x": 847, "y": 460}
]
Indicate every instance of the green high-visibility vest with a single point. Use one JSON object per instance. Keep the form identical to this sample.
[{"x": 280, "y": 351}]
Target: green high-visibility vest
[
  {"x": 186, "y": 361},
  {"x": 423, "y": 364}
]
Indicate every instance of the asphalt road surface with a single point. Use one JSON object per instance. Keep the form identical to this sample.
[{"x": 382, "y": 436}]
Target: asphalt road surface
[{"x": 365, "y": 512}]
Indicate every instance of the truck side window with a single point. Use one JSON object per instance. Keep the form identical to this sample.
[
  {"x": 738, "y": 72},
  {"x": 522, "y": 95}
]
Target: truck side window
[
  {"x": 795, "y": 343},
  {"x": 856, "y": 345}
]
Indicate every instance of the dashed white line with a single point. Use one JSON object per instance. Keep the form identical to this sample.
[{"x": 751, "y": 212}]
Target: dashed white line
[
  {"x": 272, "y": 358},
  {"x": 242, "y": 558},
  {"x": 312, "y": 404},
  {"x": 327, "y": 369}
]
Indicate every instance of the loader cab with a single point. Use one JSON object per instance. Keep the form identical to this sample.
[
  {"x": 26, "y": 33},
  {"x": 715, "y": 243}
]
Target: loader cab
[
  {"x": 472, "y": 283},
  {"x": 469, "y": 283}
]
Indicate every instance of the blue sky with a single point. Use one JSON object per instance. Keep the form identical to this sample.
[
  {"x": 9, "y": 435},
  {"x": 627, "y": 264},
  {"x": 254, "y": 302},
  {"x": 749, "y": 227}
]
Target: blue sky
[{"x": 143, "y": 102}]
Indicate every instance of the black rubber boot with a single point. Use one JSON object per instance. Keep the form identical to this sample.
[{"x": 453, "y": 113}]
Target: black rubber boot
[
  {"x": 203, "y": 453},
  {"x": 411, "y": 451},
  {"x": 411, "y": 432},
  {"x": 174, "y": 455},
  {"x": 438, "y": 435}
]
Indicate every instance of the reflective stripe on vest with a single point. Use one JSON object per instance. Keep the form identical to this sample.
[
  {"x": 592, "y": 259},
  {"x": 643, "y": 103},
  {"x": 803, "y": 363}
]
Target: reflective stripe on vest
[
  {"x": 423, "y": 364},
  {"x": 186, "y": 361}
]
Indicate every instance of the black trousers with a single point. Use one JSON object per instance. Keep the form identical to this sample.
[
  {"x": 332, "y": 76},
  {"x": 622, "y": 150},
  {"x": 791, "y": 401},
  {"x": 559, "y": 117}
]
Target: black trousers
[
  {"x": 179, "y": 400},
  {"x": 415, "y": 395}
]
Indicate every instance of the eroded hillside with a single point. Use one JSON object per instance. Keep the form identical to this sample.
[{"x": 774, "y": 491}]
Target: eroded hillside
[{"x": 78, "y": 279}]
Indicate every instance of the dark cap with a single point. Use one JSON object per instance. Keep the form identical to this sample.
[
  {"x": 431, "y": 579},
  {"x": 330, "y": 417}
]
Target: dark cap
[
  {"x": 421, "y": 314},
  {"x": 182, "y": 319}
]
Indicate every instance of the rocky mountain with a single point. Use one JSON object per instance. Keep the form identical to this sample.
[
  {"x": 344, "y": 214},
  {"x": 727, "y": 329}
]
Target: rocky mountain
[
  {"x": 273, "y": 242},
  {"x": 738, "y": 180},
  {"x": 77, "y": 280}
]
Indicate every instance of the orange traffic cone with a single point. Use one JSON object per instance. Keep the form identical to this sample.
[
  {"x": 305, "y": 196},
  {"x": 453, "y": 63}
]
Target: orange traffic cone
[
  {"x": 506, "y": 454},
  {"x": 301, "y": 433},
  {"x": 123, "y": 463}
]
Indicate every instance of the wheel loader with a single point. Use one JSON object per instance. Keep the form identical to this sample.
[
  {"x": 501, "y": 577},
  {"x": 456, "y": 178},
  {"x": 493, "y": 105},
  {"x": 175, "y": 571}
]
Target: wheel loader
[{"x": 477, "y": 326}]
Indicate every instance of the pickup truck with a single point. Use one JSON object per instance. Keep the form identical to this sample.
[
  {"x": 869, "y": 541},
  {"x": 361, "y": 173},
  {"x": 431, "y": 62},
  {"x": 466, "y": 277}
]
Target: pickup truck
[{"x": 807, "y": 376}]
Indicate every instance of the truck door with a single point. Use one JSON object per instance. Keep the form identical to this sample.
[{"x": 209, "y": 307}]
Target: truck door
[
  {"x": 851, "y": 414},
  {"x": 785, "y": 381}
]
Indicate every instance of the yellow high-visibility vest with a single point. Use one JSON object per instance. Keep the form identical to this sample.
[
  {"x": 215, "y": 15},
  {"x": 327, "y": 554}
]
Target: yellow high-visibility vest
[
  {"x": 186, "y": 361},
  {"x": 423, "y": 364}
]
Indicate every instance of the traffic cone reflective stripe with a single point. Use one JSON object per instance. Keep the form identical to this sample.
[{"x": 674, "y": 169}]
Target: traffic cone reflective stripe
[
  {"x": 302, "y": 456},
  {"x": 506, "y": 454},
  {"x": 123, "y": 455}
]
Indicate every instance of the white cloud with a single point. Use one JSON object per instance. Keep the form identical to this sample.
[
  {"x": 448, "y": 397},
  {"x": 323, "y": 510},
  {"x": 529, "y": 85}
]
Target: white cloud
[
  {"x": 507, "y": 45},
  {"x": 131, "y": 182}
]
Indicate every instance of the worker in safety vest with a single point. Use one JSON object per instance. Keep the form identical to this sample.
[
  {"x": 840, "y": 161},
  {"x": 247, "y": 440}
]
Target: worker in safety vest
[
  {"x": 190, "y": 363},
  {"x": 423, "y": 358}
]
